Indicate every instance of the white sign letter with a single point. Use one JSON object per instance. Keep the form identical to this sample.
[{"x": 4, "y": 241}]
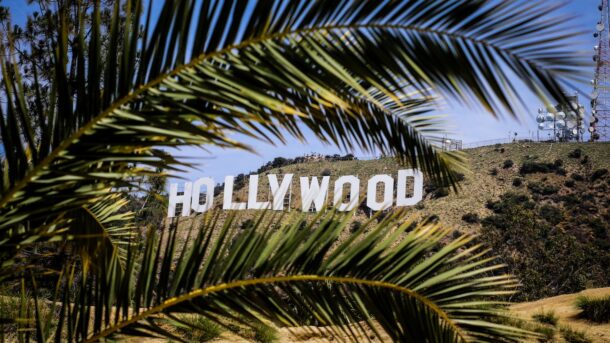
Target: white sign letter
[
  {"x": 184, "y": 199},
  {"x": 209, "y": 194},
  {"x": 401, "y": 189},
  {"x": 252, "y": 194},
  {"x": 279, "y": 192},
  {"x": 388, "y": 192},
  {"x": 313, "y": 192},
  {"x": 228, "y": 203},
  {"x": 354, "y": 193}
]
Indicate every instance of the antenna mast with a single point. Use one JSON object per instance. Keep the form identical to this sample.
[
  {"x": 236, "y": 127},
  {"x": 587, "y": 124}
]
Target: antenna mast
[{"x": 600, "y": 98}]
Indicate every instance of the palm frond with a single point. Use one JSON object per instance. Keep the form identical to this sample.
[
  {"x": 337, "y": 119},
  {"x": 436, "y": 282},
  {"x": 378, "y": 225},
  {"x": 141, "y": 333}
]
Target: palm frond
[
  {"x": 397, "y": 277},
  {"x": 102, "y": 229},
  {"x": 343, "y": 70},
  {"x": 355, "y": 73}
]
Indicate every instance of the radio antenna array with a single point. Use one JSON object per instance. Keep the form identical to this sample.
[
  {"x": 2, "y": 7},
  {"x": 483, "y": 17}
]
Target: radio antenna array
[{"x": 600, "y": 98}]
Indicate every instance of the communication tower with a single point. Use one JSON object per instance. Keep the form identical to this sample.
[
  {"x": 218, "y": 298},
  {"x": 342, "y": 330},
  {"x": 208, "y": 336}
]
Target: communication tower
[
  {"x": 600, "y": 97},
  {"x": 564, "y": 122}
]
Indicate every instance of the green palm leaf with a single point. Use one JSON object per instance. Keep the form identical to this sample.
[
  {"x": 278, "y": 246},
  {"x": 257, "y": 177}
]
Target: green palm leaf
[
  {"x": 356, "y": 73},
  {"x": 394, "y": 278},
  {"x": 201, "y": 71},
  {"x": 102, "y": 229}
]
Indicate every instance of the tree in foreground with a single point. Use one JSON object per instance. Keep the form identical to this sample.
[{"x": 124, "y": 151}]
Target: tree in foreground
[{"x": 120, "y": 83}]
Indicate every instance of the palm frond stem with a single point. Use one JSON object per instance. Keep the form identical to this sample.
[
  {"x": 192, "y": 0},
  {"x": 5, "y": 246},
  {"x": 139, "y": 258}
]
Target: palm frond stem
[{"x": 271, "y": 280}]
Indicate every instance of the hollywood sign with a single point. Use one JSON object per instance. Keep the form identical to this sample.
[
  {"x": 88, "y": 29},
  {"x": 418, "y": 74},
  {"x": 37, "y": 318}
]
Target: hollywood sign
[{"x": 314, "y": 193}]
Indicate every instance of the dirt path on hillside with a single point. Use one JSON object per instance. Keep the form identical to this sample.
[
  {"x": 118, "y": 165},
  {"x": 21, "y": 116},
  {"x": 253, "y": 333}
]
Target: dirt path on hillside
[{"x": 564, "y": 308}]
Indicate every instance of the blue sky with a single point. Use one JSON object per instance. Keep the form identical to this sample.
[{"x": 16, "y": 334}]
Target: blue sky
[{"x": 467, "y": 124}]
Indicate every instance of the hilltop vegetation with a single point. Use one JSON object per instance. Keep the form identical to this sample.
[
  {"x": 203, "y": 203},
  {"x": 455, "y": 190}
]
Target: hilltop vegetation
[
  {"x": 542, "y": 207},
  {"x": 487, "y": 179}
]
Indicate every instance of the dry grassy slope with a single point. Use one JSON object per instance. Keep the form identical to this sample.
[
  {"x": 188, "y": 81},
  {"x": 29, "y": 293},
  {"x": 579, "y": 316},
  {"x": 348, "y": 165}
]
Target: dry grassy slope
[
  {"x": 478, "y": 187},
  {"x": 563, "y": 306}
]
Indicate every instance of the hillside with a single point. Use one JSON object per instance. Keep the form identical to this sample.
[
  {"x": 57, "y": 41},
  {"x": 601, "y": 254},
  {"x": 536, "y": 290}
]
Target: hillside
[
  {"x": 478, "y": 186},
  {"x": 542, "y": 207}
]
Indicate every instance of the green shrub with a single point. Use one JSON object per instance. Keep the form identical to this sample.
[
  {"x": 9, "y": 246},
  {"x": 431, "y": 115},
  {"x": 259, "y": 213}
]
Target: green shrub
[
  {"x": 561, "y": 171},
  {"x": 531, "y": 167},
  {"x": 577, "y": 177},
  {"x": 542, "y": 189},
  {"x": 594, "y": 309},
  {"x": 573, "y": 336},
  {"x": 471, "y": 218},
  {"x": 551, "y": 214},
  {"x": 326, "y": 172},
  {"x": 381, "y": 215},
  {"x": 247, "y": 224},
  {"x": 493, "y": 171},
  {"x": 569, "y": 183},
  {"x": 265, "y": 334},
  {"x": 576, "y": 153},
  {"x": 599, "y": 227},
  {"x": 459, "y": 177},
  {"x": 441, "y": 192},
  {"x": 517, "y": 182},
  {"x": 9, "y": 309},
  {"x": 548, "y": 333},
  {"x": 356, "y": 225},
  {"x": 588, "y": 197},
  {"x": 508, "y": 164},
  {"x": 199, "y": 329},
  {"x": 529, "y": 246},
  {"x": 570, "y": 199},
  {"x": 509, "y": 200},
  {"x": 433, "y": 219},
  {"x": 598, "y": 174},
  {"x": 548, "y": 317},
  {"x": 490, "y": 204},
  {"x": 585, "y": 160}
]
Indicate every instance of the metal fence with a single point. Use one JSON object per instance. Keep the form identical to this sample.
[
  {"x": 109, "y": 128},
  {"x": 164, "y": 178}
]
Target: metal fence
[
  {"x": 485, "y": 143},
  {"x": 489, "y": 142}
]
